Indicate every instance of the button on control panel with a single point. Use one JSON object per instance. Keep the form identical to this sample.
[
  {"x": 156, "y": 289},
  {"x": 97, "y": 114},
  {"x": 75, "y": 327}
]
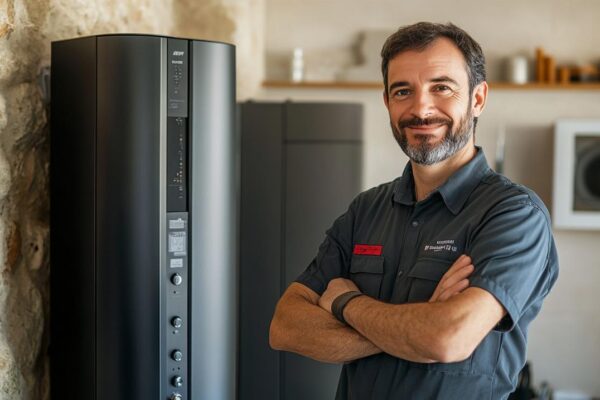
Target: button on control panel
[
  {"x": 177, "y": 322},
  {"x": 177, "y": 355},
  {"x": 177, "y": 381},
  {"x": 176, "y": 279}
]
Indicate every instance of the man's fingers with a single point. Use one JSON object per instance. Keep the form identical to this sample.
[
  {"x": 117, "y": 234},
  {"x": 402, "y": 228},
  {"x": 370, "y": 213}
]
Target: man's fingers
[
  {"x": 460, "y": 262},
  {"x": 453, "y": 290},
  {"x": 458, "y": 275},
  {"x": 458, "y": 272}
]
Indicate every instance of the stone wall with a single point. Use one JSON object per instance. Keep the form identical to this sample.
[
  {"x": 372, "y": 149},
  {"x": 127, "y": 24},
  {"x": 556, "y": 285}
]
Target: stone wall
[{"x": 26, "y": 30}]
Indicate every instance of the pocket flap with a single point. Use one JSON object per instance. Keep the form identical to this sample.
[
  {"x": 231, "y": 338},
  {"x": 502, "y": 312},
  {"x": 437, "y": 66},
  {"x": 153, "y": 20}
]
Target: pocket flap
[
  {"x": 430, "y": 269},
  {"x": 368, "y": 264}
]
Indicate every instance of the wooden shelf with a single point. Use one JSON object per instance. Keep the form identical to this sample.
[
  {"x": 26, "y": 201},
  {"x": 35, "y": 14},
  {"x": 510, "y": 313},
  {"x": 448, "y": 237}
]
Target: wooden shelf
[
  {"x": 545, "y": 86},
  {"x": 379, "y": 86}
]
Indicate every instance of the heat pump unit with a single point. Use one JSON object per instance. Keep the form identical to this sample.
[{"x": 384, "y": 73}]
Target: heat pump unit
[{"x": 143, "y": 219}]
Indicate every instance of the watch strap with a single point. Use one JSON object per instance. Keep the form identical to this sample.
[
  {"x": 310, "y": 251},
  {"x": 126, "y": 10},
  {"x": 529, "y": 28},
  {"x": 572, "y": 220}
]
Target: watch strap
[{"x": 340, "y": 302}]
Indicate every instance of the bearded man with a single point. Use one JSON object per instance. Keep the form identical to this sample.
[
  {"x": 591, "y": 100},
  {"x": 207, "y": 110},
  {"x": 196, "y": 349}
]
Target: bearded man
[{"x": 426, "y": 286}]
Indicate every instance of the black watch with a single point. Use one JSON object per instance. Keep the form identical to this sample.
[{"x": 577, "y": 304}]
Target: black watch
[{"x": 340, "y": 302}]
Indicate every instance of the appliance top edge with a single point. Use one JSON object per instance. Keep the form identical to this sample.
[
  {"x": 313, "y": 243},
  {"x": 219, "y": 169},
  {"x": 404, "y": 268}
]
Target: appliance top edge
[{"x": 143, "y": 34}]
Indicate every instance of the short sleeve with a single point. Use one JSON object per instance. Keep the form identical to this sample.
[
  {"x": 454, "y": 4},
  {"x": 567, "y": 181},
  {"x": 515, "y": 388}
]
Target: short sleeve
[
  {"x": 515, "y": 259},
  {"x": 333, "y": 257}
]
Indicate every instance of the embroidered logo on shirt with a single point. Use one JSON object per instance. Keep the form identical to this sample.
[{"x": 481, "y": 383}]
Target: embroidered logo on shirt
[
  {"x": 367, "y": 250},
  {"x": 441, "y": 245}
]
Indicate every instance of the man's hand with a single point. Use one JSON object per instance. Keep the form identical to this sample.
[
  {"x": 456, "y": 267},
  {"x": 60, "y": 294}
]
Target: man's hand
[
  {"x": 335, "y": 288},
  {"x": 454, "y": 280},
  {"x": 300, "y": 325}
]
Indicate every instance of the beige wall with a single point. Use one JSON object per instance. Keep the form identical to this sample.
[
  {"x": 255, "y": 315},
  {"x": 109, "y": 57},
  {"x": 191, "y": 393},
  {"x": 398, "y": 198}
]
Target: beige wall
[{"x": 564, "y": 344}]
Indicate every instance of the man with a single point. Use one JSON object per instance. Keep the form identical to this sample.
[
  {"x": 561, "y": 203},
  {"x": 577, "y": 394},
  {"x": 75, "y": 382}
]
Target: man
[{"x": 433, "y": 278}]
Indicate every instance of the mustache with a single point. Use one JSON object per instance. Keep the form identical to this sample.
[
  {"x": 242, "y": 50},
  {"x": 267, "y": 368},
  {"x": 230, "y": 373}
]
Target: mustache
[{"x": 416, "y": 121}]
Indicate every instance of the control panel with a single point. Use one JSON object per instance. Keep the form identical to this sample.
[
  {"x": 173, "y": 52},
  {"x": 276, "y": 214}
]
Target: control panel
[
  {"x": 177, "y": 121},
  {"x": 176, "y": 272},
  {"x": 177, "y": 324},
  {"x": 177, "y": 78},
  {"x": 176, "y": 164}
]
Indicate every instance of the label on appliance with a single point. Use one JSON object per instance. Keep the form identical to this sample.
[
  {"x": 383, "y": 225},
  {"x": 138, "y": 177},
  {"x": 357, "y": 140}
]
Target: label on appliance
[
  {"x": 177, "y": 243},
  {"x": 178, "y": 223},
  {"x": 177, "y": 80}
]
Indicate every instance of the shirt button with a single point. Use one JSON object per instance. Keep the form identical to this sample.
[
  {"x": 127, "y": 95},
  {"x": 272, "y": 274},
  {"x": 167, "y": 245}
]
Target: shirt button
[
  {"x": 400, "y": 273},
  {"x": 415, "y": 224}
]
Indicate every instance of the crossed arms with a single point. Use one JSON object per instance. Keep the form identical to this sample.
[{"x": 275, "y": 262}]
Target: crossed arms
[{"x": 446, "y": 329}]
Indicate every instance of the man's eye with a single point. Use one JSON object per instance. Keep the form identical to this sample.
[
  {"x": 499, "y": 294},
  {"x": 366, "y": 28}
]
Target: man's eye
[
  {"x": 402, "y": 92},
  {"x": 441, "y": 88}
]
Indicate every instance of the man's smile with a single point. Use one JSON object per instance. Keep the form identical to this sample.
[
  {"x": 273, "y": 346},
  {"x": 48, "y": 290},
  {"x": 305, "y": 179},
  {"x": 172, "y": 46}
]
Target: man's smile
[{"x": 426, "y": 128}]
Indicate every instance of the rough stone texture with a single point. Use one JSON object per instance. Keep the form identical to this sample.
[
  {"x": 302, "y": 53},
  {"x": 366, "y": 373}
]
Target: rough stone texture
[
  {"x": 240, "y": 22},
  {"x": 26, "y": 29}
]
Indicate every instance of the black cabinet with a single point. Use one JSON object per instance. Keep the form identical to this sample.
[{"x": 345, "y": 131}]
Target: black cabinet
[{"x": 300, "y": 169}]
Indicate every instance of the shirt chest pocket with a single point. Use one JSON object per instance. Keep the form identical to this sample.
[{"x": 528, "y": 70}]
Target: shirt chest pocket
[
  {"x": 367, "y": 273},
  {"x": 425, "y": 276}
]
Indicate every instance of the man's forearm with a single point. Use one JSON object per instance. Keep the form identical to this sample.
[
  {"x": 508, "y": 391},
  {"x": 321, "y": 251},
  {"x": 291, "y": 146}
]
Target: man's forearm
[
  {"x": 305, "y": 328},
  {"x": 393, "y": 328},
  {"x": 426, "y": 332}
]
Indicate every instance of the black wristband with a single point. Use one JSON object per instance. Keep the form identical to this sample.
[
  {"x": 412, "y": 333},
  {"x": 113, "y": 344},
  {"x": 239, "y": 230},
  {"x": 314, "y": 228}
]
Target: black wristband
[{"x": 340, "y": 302}]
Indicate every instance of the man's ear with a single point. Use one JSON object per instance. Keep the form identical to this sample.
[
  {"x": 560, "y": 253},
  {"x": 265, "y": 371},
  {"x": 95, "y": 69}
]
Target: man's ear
[{"x": 479, "y": 98}]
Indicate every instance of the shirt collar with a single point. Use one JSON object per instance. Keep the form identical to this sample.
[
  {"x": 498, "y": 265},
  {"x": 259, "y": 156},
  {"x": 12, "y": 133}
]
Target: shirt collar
[{"x": 455, "y": 191}]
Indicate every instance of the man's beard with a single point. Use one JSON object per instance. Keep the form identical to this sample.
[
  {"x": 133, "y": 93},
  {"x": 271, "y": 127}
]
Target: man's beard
[{"x": 426, "y": 153}]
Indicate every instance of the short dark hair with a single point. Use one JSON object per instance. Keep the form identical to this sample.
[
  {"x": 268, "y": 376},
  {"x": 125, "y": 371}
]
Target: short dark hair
[{"x": 420, "y": 35}]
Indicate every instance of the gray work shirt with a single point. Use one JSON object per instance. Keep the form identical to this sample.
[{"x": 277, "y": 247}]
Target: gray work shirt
[{"x": 396, "y": 250}]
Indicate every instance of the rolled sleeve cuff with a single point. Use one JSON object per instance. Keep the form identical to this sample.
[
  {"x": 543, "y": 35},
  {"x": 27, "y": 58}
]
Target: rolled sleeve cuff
[
  {"x": 311, "y": 282},
  {"x": 501, "y": 294}
]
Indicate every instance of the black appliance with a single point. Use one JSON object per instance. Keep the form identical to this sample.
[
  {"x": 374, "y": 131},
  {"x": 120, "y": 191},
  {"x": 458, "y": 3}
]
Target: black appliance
[
  {"x": 143, "y": 219},
  {"x": 301, "y": 168}
]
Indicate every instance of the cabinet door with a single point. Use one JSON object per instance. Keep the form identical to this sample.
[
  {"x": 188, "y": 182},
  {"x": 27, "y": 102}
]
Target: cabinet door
[
  {"x": 322, "y": 178},
  {"x": 260, "y": 248}
]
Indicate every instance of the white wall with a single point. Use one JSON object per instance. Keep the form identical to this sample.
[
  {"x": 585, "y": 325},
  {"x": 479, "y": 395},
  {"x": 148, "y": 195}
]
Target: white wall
[{"x": 564, "y": 344}]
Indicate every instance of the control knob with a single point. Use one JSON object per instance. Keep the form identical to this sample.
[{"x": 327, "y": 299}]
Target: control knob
[
  {"x": 176, "y": 279},
  {"x": 177, "y": 355},
  {"x": 176, "y": 396},
  {"x": 177, "y": 381},
  {"x": 177, "y": 322}
]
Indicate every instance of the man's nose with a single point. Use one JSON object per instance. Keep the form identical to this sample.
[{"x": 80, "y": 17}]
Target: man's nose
[{"x": 422, "y": 104}]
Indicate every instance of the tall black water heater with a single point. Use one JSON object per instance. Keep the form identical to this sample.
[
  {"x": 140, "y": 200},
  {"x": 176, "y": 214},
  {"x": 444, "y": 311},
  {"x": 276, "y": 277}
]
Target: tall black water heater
[{"x": 143, "y": 219}]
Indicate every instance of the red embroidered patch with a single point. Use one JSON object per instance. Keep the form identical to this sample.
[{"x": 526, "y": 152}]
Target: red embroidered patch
[{"x": 367, "y": 250}]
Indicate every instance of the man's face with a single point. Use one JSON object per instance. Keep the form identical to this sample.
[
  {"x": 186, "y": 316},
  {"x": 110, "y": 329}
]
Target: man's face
[{"x": 428, "y": 100}]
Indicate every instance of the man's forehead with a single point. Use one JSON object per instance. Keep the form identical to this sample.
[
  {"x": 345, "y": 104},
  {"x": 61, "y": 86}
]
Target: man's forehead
[{"x": 440, "y": 58}]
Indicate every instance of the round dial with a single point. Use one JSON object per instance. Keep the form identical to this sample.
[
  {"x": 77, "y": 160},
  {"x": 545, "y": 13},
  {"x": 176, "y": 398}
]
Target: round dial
[
  {"x": 176, "y": 279},
  {"x": 177, "y": 381},
  {"x": 177, "y": 355},
  {"x": 177, "y": 322}
]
